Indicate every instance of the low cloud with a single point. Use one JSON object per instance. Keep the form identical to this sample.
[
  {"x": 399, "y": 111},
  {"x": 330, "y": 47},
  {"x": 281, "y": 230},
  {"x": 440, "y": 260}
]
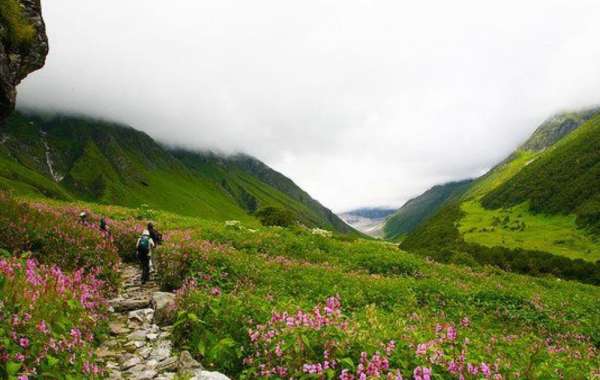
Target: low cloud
[{"x": 362, "y": 103}]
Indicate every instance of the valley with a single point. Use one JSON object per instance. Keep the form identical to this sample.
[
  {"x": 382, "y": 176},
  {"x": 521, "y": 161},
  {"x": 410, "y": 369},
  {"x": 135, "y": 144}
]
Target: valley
[{"x": 126, "y": 258}]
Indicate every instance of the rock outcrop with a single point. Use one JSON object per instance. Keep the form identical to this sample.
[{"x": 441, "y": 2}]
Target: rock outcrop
[{"x": 19, "y": 60}]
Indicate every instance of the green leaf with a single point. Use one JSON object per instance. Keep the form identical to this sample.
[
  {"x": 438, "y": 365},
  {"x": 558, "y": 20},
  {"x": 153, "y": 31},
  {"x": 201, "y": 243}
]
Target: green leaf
[
  {"x": 12, "y": 368},
  {"x": 305, "y": 340},
  {"x": 201, "y": 348},
  {"x": 347, "y": 363},
  {"x": 52, "y": 361}
]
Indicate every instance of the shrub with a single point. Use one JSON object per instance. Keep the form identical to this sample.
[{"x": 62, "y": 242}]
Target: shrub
[
  {"x": 273, "y": 216},
  {"x": 182, "y": 258},
  {"x": 48, "y": 321}
]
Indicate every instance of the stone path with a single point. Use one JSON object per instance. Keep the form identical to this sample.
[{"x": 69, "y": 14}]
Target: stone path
[{"x": 140, "y": 346}]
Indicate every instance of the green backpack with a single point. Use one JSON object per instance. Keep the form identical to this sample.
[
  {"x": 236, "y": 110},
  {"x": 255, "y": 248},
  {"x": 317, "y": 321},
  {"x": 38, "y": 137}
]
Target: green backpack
[{"x": 144, "y": 243}]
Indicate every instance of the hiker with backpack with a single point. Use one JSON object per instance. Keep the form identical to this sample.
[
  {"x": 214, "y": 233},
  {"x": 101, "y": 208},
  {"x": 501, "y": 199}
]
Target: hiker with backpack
[
  {"x": 144, "y": 246},
  {"x": 154, "y": 234}
]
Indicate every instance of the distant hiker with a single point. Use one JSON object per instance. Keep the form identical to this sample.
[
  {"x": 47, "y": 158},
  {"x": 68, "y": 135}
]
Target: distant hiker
[
  {"x": 83, "y": 217},
  {"x": 144, "y": 246},
  {"x": 154, "y": 234},
  {"x": 103, "y": 225}
]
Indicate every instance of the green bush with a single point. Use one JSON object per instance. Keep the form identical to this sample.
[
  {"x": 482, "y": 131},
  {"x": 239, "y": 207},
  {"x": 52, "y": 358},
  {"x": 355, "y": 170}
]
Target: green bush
[{"x": 273, "y": 216}]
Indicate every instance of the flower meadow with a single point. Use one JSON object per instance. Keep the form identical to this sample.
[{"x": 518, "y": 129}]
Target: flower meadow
[
  {"x": 55, "y": 236},
  {"x": 55, "y": 272},
  {"x": 48, "y": 320},
  {"x": 283, "y": 304}
]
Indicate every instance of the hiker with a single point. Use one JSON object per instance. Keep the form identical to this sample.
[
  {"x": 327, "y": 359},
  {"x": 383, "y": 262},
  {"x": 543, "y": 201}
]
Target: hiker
[
  {"x": 144, "y": 246},
  {"x": 82, "y": 217},
  {"x": 154, "y": 234},
  {"x": 103, "y": 225}
]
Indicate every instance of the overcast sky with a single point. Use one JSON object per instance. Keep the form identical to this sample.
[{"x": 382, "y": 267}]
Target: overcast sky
[{"x": 361, "y": 102}]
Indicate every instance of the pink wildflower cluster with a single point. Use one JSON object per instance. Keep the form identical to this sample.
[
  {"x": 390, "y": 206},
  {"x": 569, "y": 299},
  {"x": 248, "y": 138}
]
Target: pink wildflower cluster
[
  {"x": 447, "y": 351},
  {"x": 377, "y": 366},
  {"x": 55, "y": 236},
  {"x": 49, "y": 313},
  {"x": 312, "y": 331}
]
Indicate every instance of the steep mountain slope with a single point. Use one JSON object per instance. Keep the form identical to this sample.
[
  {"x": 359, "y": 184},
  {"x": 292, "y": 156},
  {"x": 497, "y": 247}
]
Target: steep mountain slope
[
  {"x": 421, "y": 208},
  {"x": 567, "y": 181},
  {"x": 70, "y": 157},
  {"x": 253, "y": 184},
  {"x": 369, "y": 221},
  {"x": 530, "y": 209}
]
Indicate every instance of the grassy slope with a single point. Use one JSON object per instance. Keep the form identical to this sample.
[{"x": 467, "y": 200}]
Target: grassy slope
[
  {"x": 421, "y": 208},
  {"x": 107, "y": 163},
  {"x": 403, "y": 295},
  {"x": 239, "y": 182},
  {"x": 514, "y": 227},
  {"x": 556, "y": 234},
  {"x": 564, "y": 180}
]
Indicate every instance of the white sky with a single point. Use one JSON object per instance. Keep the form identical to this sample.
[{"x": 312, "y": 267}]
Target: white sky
[{"x": 362, "y": 103}]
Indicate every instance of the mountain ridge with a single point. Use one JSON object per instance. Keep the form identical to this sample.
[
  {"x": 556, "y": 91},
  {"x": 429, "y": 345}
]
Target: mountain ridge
[{"x": 74, "y": 157}]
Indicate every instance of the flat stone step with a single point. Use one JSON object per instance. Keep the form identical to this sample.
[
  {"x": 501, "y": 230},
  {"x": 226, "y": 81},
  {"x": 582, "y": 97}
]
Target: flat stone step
[{"x": 127, "y": 304}]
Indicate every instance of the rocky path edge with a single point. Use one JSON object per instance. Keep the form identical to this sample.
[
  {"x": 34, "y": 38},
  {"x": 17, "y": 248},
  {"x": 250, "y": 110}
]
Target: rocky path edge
[{"x": 140, "y": 346}]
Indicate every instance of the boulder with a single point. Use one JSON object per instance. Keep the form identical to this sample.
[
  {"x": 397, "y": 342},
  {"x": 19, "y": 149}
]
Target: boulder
[
  {"x": 122, "y": 304},
  {"x": 163, "y": 304},
  {"x": 187, "y": 362},
  {"x": 208, "y": 375},
  {"x": 141, "y": 316}
]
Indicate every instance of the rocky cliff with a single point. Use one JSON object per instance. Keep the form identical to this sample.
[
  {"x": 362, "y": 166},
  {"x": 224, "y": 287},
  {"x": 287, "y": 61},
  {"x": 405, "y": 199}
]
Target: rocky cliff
[{"x": 23, "y": 47}]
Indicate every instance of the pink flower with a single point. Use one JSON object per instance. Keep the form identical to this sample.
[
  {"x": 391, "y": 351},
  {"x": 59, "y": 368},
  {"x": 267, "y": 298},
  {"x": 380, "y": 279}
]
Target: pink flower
[
  {"x": 422, "y": 373},
  {"x": 42, "y": 327},
  {"x": 451, "y": 333},
  {"x": 485, "y": 370},
  {"x": 24, "y": 342},
  {"x": 421, "y": 349},
  {"x": 465, "y": 322}
]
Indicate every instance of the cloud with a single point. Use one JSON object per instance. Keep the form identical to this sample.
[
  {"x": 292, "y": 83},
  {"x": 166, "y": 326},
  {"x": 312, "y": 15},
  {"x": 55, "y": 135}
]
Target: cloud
[{"x": 362, "y": 103}]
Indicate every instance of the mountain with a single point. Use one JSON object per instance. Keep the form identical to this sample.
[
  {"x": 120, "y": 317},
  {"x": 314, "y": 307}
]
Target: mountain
[
  {"x": 536, "y": 212},
  {"x": 23, "y": 47},
  {"x": 369, "y": 221},
  {"x": 77, "y": 158},
  {"x": 556, "y": 127},
  {"x": 565, "y": 182},
  {"x": 419, "y": 209}
]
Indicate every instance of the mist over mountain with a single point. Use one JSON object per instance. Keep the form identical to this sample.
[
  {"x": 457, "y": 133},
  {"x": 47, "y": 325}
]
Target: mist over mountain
[{"x": 335, "y": 95}]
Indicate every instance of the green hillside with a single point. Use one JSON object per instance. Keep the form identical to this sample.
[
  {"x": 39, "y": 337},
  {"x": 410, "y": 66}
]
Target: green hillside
[
  {"x": 534, "y": 213},
  {"x": 77, "y": 158},
  {"x": 421, "y": 208},
  {"x": 567, "y": 181}
]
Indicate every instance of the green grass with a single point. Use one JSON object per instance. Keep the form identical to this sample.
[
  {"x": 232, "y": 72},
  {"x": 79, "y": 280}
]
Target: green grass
[
  {"x": 387, "y": 294},
  {"x": 563, "y": 180},
  {"x": 556, "y": 234},
  {"x": 19, "y": 31},
  {"x": 500, "y": 174},
  {"x": 421, "y": 208}
]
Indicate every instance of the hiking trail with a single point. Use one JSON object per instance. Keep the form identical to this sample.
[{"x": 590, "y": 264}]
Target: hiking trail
[{"x": 140, "y": 346}]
